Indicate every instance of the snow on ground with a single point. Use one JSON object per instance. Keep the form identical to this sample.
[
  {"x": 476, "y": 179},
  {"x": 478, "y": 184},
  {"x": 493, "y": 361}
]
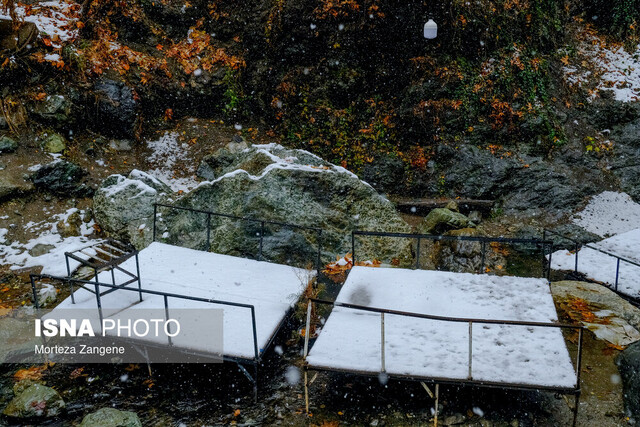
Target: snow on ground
[
  {"x": 55, "y": 19},
  {"x": 167, "y": 153},
  {"x": 602, "y": 267},
  {"x": 609, "y": 213},
  {"x": 351, "y": 339},
  {"x": 18, "y": 254},
  {"x": 615, "y": 68},
  {"x": 272, "y": 288}
]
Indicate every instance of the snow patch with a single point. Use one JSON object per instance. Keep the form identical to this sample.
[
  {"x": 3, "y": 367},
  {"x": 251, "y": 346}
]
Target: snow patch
[
  {"x": 17, "y": 254},
  {"x": 166, "y": 152},
  {"x": 609, "y": 213}
]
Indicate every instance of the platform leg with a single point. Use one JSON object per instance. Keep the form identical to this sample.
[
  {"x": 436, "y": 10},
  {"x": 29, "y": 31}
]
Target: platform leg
[
  {"x": 576, "y": 406},
  {"x": 435, "y": 418},
  {"x": 255, "y": 383},
  {"x": 306, "y": 391}
]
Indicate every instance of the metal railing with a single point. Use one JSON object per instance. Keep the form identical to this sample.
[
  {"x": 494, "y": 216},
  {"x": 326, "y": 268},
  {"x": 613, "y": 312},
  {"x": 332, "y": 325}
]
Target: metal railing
[
  {"x": 165, "y": 296},
  {"x": 542, "y": 244},
  {"x": 469, "y": 321},
  {"x": 261, "y": 222},
  {"x": 578, "y": 246}
]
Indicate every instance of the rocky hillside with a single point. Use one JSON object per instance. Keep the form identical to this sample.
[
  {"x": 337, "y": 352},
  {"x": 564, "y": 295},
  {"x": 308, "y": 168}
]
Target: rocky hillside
[{"x": 533, "y": 103}]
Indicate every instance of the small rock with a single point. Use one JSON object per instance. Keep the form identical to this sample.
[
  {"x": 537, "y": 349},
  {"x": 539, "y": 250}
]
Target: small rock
[
  {"x": 374, "y": 423},
  {"x": 63, "y": 178},
  {"x": 72, "y": 226},
  {"x": 116, "y": 108},
  {"x": 205, "y": 171},
  {"x": 40, "y": 249},
  {"x": 7, "y": 145},
  {"x": 55, "y": 108},
  {"x": 35, "y": 401},
  {"x": 12, "y": 185},
  {"x": 120, "y": 144},
  {"x": 475, "y": 217},
  {"x": 54, "y": 144},
  {"x": 454, "y": 419},
  {"x": 111, "y": 417}
]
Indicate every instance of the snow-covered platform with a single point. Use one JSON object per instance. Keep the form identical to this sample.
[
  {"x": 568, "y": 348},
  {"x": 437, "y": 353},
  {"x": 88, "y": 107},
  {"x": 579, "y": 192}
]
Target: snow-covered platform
[
  {"x": 440, "y": 348},
  {"x": 271, "y": 288},
  {"x": 614, "y": 261}
]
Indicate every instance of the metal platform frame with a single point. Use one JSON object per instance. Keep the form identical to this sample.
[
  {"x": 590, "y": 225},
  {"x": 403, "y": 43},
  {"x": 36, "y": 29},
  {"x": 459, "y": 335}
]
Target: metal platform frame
[
  {"x": 469, "y": 381},
  {"x": 108, "y": 257},
  {"x": 240, "y": 361},
  {"x": 582, "y": 277},
  {"x": 248, "y": 366},
  {"x": 484, "y": 241},
  {"x": 263, "y": 223},
  {"x": 543, "y": 245}
]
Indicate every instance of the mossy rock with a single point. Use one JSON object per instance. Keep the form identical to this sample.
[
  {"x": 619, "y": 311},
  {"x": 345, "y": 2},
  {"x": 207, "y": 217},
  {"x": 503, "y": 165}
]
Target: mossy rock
[
  {"x": 7, "y": 145},
  {"x": 440, "y": 220},
  {"x": 36, "y": 400},
  {"x": 111, "y": 417},
  {"x": 54, "y": 144}
]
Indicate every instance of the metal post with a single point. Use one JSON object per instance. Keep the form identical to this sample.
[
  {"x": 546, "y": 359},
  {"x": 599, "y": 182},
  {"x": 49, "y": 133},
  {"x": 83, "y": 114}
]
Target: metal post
[
  {"x": 617, "y": 273},
  {"x": 578, "y": 369},
  {"x": 97, "y": 286},
  {"x": 255, "y": 382},
  {"x": 470, "y": 348},
  {"x": 166, "y": 318},
  {"x": 318, "y": 261},
  {"x": 549, "y": 266},
  {"x": 70, "y": 283},
  {"x": 255, "y": 334},
  {"x": 383, "y": 368},
  {"x": 307, "y": 332},
  {"x": 208, "y": 232},
  {"x": 306, "y": 390},
  {"x": 155, "y": 210},
  {"x": 435, "y": 419},
  {"x": 139, "y": 281},
  {"x": 577, "y": 250},
  {"x": 261, "y": 235},
  {"x": 579, "y": 357},
  {"x": 483, "y": 246},
  {"x": 66, "y": 259},
  {"x": 418, "y": 254},
  {"x": 576, "y": 406},
  {"x": 353, "y": 249},
  {"x": 35, "y": 292}
]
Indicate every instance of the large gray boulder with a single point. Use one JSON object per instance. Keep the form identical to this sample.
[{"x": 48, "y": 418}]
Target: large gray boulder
[
  {"x": 522, "y": 183},
  {"x": 111, "y": 417},
  {"x": 35, "y": 401},
  {"x": 123, "y": 206},
  {"x": 269, "y": 182},
  {"x": 616, "y": 321},
  {"x": 629, "y": 366}
]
